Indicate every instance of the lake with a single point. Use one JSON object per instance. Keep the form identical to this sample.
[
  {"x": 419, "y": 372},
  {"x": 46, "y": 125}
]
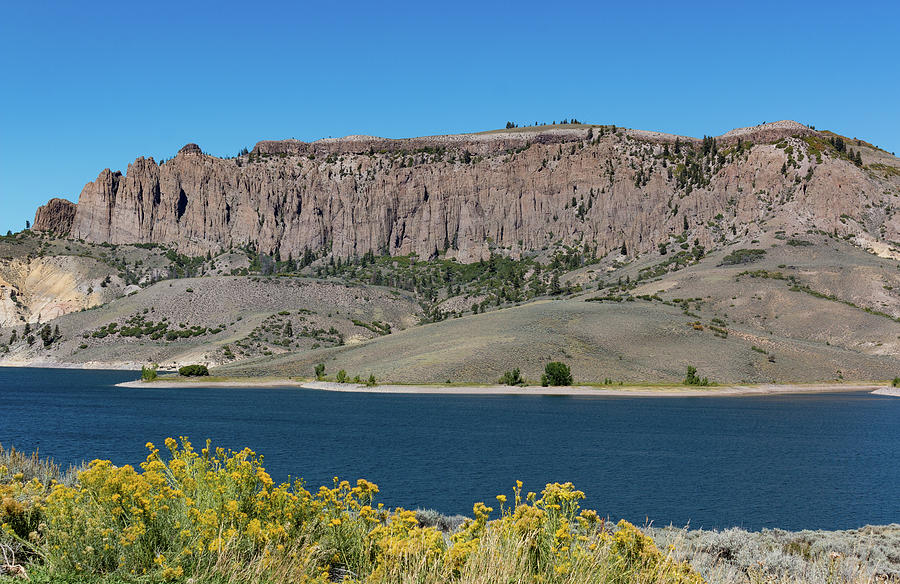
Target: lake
[{"x": 827, "y": 461}]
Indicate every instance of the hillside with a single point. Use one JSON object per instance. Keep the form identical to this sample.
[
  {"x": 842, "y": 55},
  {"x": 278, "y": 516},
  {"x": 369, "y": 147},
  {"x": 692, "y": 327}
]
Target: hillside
[
  {"x": 767, "y": 253},
  {"x": 733, "y": 327}
]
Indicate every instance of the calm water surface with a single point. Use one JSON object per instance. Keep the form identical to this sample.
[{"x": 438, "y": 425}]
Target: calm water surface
[{"x": 823, "y": 461}]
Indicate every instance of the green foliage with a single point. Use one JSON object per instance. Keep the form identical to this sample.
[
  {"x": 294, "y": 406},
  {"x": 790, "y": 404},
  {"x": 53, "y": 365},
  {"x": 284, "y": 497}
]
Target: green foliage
[
  {"x": 193, "y": 371},
  {"x": 512, "y": 377},
  {"x": 499, "y": 280},
  {"x": 148, "y": 373},
  {"x": 320, "y": 371},
  {"x": 896, "y": 382},
  {"x": 138, "y": 326},
  {"x": 370, "y": 382},
  {"x": 377, "y": 327},
  {"x": 342, "y": 377},
  {"x": 49, "y": 336},
  {"x": 556, "y": 373},
  {"x": 692, "y": 379},
  {"x": 743, "y": 256}
]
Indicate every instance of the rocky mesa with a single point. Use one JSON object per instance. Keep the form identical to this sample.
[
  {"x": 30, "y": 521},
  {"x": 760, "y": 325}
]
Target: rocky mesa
[{"x": 511, "y": 192}]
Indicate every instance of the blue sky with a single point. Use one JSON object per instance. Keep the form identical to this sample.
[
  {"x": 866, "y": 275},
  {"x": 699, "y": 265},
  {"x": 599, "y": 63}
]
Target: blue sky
[{"x": 90, "y": 85}]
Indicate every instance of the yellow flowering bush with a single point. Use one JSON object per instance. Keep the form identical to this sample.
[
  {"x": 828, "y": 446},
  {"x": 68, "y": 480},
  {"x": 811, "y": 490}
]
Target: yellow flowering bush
[
  {"x": 216, "y": 515},
  {"x": 21, "y": 506}
]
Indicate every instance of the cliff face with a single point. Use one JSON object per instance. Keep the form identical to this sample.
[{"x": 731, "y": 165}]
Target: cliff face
[
  {"x": 57, "y": 216},
  {"x": 510, "y": 192}
]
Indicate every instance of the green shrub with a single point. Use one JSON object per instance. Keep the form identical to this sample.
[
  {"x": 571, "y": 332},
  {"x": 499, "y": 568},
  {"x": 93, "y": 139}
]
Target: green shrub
[
  {"x": 370, "y": 382},
  {"x": 320, "y": 371},
  {"x": 342, "y": 376},
  {"x": 193, "y": 371},
  {"x": 556, "y": 373},
  {"x": 148, "y": 373},
  {"x": 692, "y": 379},
  {"x": 896, "y": 382},
  {"x": 743, "y": 256},
  {"x": 512, "y": 378}
]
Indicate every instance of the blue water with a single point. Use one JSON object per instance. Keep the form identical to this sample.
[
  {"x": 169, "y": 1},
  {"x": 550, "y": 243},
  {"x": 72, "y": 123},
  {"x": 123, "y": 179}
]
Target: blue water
[{"x": 827, "y": 461}]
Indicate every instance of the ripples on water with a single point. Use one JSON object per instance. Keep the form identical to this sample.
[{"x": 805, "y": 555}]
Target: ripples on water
[{"x": 825, "y": 461}]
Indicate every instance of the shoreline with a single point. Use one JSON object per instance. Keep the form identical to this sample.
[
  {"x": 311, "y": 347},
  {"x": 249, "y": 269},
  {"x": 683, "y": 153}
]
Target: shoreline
[
  {"x": 571, "y": 391},
  {"x": 86, "y": 366}
]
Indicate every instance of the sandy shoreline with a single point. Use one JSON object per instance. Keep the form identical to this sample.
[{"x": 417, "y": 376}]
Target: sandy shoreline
[{"x": 580, "y": 391}]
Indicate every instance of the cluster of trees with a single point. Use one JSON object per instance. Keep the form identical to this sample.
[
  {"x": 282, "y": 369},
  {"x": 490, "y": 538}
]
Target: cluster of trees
[
  {"x": 841, "y": 147},
  {"x": 48, "y": 335},
  {"x": 193, "y": 371},
  {"x": 343, "y": 377},
  {"x": 510, "y": 125},
  {"x": 555, "y": 373},
  {"x": 693, "y": 379}
]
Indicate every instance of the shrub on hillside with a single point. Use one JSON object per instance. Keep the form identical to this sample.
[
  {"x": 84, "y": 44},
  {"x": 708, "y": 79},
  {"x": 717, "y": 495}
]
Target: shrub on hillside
[
  {"x": 556, "y": 373},
  {"x": 320, "y": 371},
  {"x": 692, "y": 379},
  {"x": 193, "y": 370},
  {"x": 743, "y": 256}
]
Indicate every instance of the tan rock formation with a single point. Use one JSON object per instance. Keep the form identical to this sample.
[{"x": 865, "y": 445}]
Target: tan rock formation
[{"x": 507, "y": 192}]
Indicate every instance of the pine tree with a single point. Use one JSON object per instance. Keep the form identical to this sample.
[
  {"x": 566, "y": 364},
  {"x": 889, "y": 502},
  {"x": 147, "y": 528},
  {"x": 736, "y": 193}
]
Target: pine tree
[{"x": 555, "y": 288}]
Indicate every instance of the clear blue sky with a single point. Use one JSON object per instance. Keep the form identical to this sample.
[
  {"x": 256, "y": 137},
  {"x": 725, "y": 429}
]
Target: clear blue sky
[{"x": 90, "y": 85}]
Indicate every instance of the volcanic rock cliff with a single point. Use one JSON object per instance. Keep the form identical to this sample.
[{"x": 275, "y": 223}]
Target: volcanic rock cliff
[
  {"x": 56, "y": 216},
  {"x": 509, "y": 192}
]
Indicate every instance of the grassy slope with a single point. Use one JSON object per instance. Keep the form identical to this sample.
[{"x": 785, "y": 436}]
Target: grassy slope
[{"x": 807, "y": 337}]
